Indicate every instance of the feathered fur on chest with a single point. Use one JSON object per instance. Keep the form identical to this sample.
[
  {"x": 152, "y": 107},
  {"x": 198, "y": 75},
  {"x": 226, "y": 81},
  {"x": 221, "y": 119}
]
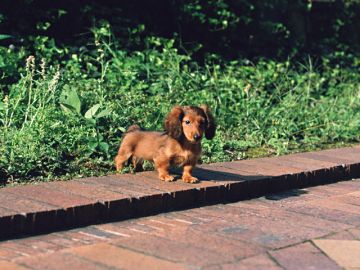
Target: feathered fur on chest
[{"x": 188, "y": 155}]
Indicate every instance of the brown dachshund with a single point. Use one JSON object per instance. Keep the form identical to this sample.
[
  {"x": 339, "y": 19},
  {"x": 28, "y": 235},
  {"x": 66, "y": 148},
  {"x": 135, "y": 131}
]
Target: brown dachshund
[{"x": 179, "y": 145}]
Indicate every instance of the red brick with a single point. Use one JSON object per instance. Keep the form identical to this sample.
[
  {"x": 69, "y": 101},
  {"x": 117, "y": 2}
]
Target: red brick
[
  {"x": 335, "y": 160},
  {"x": 331, "y": 189},
  {"x": 86, "y": 189},
  {"x": 187, "y": 235},
  {"x": 150, "y": 179},
  {"x": 118, "y": 257},
  {"x": 300, "y": 162},
  {"x": 230, "y": 175},
  {"x": 8, "y": 254},
  {"x": 348, "y": 153},
  {"x": 330, "y": 203},
  {"x": 330, "y": 210},
  {"x": 296, "y": 197},
  {"x": 18, "y": 248},
  {"x": 117, "y": 228},
  {"x": 4, "y": 265},
  {"x": 136, "y": 181},
  {"x": 138, "y": 228},
  {"x": 49, "y": 196},
  {"x": 303, "y": 256},
  {"x": 29, "y": 213},
  {"x": 171, "y": 250},
  {"x": 259, "y": 167},
  {"x": 79, "y": 238},
  {"x": 116, "y": 185},
  {"x": 236, "y": 188},
  {"x": 20, "y": 204},
  {"x": 182, "y": 194},
  {"x": 264, "y": 226},
  {"x": 342, "y": 235},
  {"x": 39, "y": 244},
  {"x": 166, "y": 221},
  {"x": 355, "y": 232},
  {"x": 61, "y": 261},
  {"x": 190, "y": 217},
  {"x": 217, "y": 174},
  {"x": 348, "y": 199},
  {"x": 352, "y": 185},
  {"x": 93, "y": 231},
  {"x": 62, "y": 240},
  {"x": 253, "y": 263}
]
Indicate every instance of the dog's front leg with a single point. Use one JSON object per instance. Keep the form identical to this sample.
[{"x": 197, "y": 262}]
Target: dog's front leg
[
  {"x": 162, "y": 166},
  {"x": 187, "y": 177}
]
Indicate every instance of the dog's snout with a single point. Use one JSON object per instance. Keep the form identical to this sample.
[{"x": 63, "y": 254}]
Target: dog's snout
[{"x": 197, "y": 137}]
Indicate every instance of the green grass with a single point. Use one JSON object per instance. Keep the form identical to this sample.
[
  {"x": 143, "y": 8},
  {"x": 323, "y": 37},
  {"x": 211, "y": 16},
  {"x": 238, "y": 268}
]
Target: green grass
[{"x": 66, "y": 121}]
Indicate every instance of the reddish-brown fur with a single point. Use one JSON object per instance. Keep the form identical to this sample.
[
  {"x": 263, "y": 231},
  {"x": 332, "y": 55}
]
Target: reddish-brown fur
[{"x": 180, "y": 144}]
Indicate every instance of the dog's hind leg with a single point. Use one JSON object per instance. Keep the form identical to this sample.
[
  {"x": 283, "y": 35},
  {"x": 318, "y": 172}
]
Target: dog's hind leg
[
  {"x": 123, "y": 155},
  {"x": 138, "y": 164}
]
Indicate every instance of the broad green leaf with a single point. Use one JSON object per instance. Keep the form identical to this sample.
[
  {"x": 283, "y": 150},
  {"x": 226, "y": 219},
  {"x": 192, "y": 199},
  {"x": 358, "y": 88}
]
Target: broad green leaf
[
  {"x": 103, "y": 113},
  {"x": 66, "y": 108},
  {"x": 92, "y": 111},
  {"x": 92, "y": 143},
  {"x": 91, "y": 121},
  {"x": 100, "y": 137},
  {"x": 104, "y": 147},
  {"x": 70, "y": 100}
]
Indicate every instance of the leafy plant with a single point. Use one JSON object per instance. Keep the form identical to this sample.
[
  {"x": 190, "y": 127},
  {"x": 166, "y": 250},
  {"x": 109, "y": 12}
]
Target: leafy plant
[
  {"x": 64, "y": 116},
  {"x": 70, "y": 103}
]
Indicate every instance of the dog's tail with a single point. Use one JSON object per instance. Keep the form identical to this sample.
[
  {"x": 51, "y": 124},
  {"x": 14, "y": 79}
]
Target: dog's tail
[{"x": 133, "y": 128}]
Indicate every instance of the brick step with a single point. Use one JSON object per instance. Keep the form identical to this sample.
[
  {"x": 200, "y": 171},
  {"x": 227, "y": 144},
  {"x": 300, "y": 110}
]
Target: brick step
[{"x": 46, "y": 207}]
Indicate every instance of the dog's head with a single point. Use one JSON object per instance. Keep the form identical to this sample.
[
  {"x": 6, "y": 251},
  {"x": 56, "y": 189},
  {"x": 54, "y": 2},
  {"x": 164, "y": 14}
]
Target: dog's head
[{"x": 190, "y": 122}]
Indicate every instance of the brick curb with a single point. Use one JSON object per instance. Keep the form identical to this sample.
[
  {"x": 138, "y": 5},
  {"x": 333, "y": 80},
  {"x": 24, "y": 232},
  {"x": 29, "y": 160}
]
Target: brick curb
[{"x": 46, "y": 207}]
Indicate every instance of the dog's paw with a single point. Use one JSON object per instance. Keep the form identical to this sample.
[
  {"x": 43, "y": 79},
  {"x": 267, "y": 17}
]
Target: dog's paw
[
  {"x": 190, "y": 179},
  {"x": 167, "y": 178}
]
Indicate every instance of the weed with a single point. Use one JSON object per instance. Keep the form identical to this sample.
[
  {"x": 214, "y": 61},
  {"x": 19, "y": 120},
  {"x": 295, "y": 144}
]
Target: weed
[{"x": 68, "y": 121}]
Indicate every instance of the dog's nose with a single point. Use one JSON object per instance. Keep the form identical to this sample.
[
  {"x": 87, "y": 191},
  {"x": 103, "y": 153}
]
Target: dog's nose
[{"x": 197, "y": 137}]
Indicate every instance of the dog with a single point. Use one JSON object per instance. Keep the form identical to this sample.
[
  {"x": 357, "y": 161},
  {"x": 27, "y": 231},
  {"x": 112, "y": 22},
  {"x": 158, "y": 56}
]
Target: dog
[{"x": 179, "y": 145}]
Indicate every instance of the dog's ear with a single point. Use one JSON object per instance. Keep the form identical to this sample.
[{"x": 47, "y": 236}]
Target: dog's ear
[
  {"x": 210, "y": 123},
  {"x": 173, "y": 121}
]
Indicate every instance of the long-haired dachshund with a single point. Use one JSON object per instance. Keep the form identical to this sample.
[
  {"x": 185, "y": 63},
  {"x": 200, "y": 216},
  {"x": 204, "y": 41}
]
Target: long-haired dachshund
[{"x": 179, "y": 145}]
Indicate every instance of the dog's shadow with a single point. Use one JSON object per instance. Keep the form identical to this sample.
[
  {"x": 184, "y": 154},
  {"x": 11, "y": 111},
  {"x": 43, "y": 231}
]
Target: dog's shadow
[
  {"x": 205, "y": 174},
  {"x": 272, "y": 188}
]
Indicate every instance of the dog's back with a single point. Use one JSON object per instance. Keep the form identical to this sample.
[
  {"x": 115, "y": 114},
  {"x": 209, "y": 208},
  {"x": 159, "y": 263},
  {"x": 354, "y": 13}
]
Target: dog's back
[
  {"x": 133, "y": 128},
  {"x": 142, "y": 144}
]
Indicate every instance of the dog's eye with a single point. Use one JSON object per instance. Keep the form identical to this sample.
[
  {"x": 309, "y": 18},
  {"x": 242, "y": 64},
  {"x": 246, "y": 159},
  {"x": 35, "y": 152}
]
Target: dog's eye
[{"x": 187, "y": 122}]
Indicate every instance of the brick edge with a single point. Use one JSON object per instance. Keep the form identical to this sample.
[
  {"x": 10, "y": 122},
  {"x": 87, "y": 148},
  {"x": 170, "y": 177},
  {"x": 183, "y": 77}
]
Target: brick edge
[{"x": 25, "y": 224}]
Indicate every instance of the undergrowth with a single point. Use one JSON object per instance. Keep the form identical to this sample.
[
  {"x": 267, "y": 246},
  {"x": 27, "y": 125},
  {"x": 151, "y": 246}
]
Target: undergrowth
[{"x": 64, "y": 118}]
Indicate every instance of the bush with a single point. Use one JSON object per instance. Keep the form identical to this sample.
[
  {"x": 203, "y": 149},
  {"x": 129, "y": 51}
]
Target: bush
[{"x": 67, "y": 121}]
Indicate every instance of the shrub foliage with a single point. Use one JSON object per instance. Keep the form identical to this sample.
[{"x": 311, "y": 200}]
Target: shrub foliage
[{"x": 64, "y": 106}]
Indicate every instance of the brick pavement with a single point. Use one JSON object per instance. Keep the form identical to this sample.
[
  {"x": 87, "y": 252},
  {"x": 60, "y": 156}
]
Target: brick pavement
[
  {"x": 309, "y": 228},
  {"x": 46, "y": 207}
]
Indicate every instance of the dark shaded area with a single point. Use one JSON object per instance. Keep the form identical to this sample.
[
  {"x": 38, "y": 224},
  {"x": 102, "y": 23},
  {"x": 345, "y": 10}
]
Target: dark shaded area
[
  {"x": 285, "y": 194},
  {"x": 240, "y": 28}
]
